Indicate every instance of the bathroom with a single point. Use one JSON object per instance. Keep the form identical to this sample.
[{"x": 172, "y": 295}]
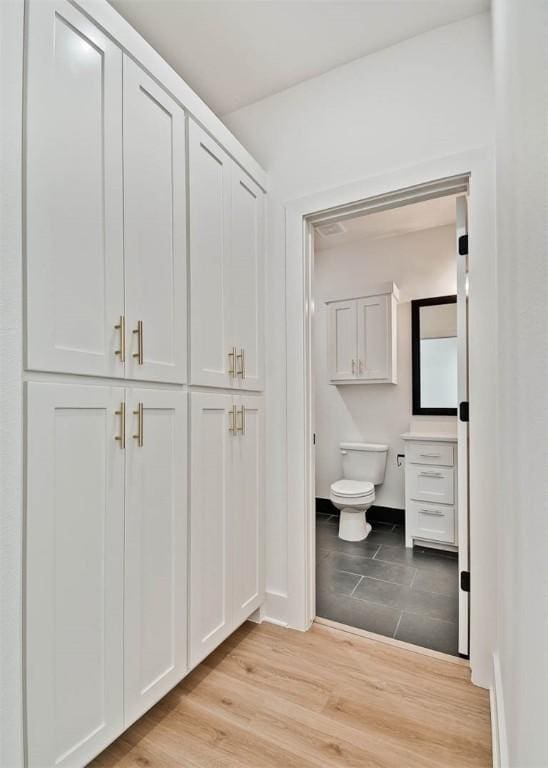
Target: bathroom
[{"x": 387, "y": 437}]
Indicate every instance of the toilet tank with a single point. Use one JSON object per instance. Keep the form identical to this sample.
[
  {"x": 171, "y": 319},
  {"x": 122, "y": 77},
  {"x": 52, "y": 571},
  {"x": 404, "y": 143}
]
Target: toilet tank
[{"x": 364, "y": 461}]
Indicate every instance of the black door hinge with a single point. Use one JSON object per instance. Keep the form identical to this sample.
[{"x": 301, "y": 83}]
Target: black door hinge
[
  {"x": 465, "y": 581},
  {"x": 464, "y": 411},
  {"x": 463, "y": 245}
]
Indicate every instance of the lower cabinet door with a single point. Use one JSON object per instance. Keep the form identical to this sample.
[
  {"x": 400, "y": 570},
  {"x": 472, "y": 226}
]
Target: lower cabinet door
[
  {"x": 210, "y": 533},
  {"x": 247, "y": 506},
  {"x": 155, "y": 638},
  {"x": 74, "y": 573}
]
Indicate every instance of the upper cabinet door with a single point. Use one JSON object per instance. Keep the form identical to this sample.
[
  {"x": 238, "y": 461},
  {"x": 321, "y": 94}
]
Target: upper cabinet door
[
  {"x": 209, "y": 229},
  {"x": 74, "y": 573},
  {"x": 155, "y": 229},
  {"x": 374, "y": 337},
  {"x": 155, "y": 607},
  {"x": 341, "y": 342},
  {"x": 74, "y": 202},
  {"x": 247, "y": 275}
]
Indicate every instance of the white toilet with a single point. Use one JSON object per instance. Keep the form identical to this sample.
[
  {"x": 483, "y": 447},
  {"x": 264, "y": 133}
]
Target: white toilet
[{"x": 364, "y": 465}]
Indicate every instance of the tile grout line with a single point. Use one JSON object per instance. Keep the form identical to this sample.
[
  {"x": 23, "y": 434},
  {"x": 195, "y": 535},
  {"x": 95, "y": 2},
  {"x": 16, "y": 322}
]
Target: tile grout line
[
  {"x": 413, "y": 579},
  {"x": 397, "y": 625},
  {"x": 357, "y": 585}
]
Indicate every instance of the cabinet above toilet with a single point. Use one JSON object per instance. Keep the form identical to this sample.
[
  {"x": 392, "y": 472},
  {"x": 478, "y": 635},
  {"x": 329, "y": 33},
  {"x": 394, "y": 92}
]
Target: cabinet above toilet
[{"x": 362, "y": 337}]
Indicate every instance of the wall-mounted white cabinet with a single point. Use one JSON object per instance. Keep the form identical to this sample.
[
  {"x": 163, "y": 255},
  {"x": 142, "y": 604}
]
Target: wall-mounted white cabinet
[
  {"x": 106, "y": 557},
  {"x": 106, "y": 232},
  {"x": 362, "y": 338},
  {"x": 226, "y": 268},
  {"x": 226, "y": 538}
]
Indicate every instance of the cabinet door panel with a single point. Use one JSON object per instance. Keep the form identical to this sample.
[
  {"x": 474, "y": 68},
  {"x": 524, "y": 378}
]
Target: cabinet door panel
[
  {"x": 210, "y": 535},
  {"x": 156, "y": 548},
  {"x": 74, "y": 587},
  {"x": 247, "y": 292},
  {"x": 342, "y": 340},
  {"x": 209, "y": 228},
  {"x": 74, "y": 199},
  {"x": 374, "y": 337},
  {"x": 247, "y": 509},
  {"x": 155, "y": 227}
]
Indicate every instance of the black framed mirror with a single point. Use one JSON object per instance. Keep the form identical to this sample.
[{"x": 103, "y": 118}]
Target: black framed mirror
[{"x": 434, "y": 356}]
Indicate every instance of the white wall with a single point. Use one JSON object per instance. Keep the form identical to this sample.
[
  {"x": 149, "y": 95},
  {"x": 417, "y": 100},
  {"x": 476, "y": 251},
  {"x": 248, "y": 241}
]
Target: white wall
[
  {"x": 521, "y": 59},
  {"x": 425, "y": 98},
  {"x": 422, "y": 264}
]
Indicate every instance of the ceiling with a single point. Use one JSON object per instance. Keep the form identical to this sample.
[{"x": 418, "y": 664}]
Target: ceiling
[
  {"x": 236, "y": 52},
  {"x": 397, "y": 221}
]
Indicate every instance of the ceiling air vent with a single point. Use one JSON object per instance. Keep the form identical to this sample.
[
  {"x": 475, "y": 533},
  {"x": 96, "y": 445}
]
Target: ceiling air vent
[{"x": 330, "y": 229}]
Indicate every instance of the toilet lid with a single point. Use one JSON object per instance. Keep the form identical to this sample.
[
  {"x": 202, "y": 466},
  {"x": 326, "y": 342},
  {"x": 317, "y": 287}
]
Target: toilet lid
[{"x": 352, "y": 488}]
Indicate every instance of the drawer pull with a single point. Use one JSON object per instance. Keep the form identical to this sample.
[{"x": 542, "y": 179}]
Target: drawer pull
[
  {"x": 436, "y": 512},
  {"x": 430, "y": 455},
  {"x": 431, "y": 474}
]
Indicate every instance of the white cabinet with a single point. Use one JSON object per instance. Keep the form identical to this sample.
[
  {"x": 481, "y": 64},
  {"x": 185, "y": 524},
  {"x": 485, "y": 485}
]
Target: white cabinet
[
  {"x": 75, "y": 573},
  {"x": 430, "y": 489},
  {"x": 226, "y": 268},
  {"x": 154, "y": 229},
  {"x": 105, "y": 207},
  {"x": 74, "y": 203},
  {"x": 155, "y": 605},
  {"x": 226, "y": 563},
  {"x": 106, "y": 621},
  {"x": 362, "y": 338}
]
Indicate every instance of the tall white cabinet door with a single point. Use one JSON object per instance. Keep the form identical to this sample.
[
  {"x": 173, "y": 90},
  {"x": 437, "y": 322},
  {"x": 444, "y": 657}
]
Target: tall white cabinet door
[
  {"x": 209, "y": 230},
  {"x": 374, "y": 329},
  {"x": 154, "y": 229},
  {"x": 341, "y": 342},
  {"x": 210, "y": 535},
  {"x": 247, "y": 508},
  {"x": 155, "y": 609},
  {"x": 74, "y": 576},
  {"x": 247, "y": 274},
  {"x": 74, "y": 202}
]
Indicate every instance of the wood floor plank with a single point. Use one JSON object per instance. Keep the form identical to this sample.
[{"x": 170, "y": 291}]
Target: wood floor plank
[{"x": 275, "y": 698}]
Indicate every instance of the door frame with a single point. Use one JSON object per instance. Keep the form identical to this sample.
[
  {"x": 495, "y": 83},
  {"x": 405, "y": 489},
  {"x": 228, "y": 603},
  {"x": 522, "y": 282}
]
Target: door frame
[{"x": 471, "y": 172}]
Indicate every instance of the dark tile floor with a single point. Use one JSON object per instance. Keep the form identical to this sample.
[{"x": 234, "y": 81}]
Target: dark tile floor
[{"x": 380, "y": 586}]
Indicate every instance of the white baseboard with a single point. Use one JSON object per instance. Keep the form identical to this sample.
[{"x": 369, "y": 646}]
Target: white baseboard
[
  {"x": 274, "y": 609},
  {"x": 498, "y": 719}
]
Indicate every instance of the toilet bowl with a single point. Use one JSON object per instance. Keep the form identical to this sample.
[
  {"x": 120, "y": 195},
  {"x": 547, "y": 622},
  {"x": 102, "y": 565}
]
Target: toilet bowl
[{"x": 364, "y": 466}]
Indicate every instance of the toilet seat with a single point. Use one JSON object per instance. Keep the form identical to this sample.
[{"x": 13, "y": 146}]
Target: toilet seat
[{"x": 352, "y": 489}]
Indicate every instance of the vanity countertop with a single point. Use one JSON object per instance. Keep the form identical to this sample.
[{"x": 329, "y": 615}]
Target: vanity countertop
[{"x": 433, "y": 437}]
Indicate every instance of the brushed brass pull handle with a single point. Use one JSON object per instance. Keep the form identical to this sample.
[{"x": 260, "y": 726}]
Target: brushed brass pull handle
[
  {"x": 435, "y": 512},
  {"x": 232, "y": 363},
  {"x": 353, "y": 367},
  {"x": 140, "y": 425},
  {"x": 121, "y": 328},
  {"x": 241, "y": 358},
  {"x": 232, "y": 421},
  {"x": 241, "y": 427},
  {"x": 139, "y": 332},
  {"x": 360, "y": 366},
  {"x": 121, "y": 438}
]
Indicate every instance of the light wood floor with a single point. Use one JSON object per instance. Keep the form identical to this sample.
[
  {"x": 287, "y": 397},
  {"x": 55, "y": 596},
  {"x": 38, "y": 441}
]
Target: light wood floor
[{"x": 275, "y": 698}]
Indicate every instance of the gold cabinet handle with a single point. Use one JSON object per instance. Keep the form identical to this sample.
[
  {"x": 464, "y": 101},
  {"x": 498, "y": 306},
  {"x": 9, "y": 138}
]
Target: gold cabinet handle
[
  {"x": 241, "y": 358},
  {"x": 139, "y": 332},
  {"x": 121, "y": 328},
  {"x": 121, "y": 438},
  {"x": 140, "y": 425},
  {"x": 353, "y": 367},
  {"x": 360, "y": 367},
  {"x": 241, "y": 427},
  {"x": 232, "y": 363},
  {"x": 232, "y": 421}
]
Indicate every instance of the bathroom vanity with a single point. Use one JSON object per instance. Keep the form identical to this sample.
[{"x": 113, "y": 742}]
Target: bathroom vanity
[{"x": 431, "y": 490}]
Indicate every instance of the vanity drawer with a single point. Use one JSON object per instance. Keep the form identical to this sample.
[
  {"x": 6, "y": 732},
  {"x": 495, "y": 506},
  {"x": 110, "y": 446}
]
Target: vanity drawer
[
  {"x": 434, "y": 484},
  {"x": 435, "y": 522},
  {"x": 431, "y": 453}
]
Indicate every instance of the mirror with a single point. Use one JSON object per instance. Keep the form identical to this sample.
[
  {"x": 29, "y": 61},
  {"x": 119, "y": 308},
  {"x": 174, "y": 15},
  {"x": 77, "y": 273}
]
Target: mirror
[{"x": 434, "y": 350}]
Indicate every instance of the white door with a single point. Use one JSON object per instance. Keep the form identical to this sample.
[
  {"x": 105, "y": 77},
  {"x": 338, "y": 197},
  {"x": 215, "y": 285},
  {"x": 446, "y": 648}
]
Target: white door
[
  {"x": 74, "y": 202},
  {"x": 154, "y": 229},
  {"x": 210, "y": 535},
  {"x": 209, "y": 232},
  {"x": 74, "y": 577},
  {"x": 247, "y": 273},
  {"x": 374, "y": 337},
  {"x": 155, "y": 609},
  {"x": 462, "y": 475},
  {"x": 342, "y": 343},
  {"x": 247, "y": 508}
]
